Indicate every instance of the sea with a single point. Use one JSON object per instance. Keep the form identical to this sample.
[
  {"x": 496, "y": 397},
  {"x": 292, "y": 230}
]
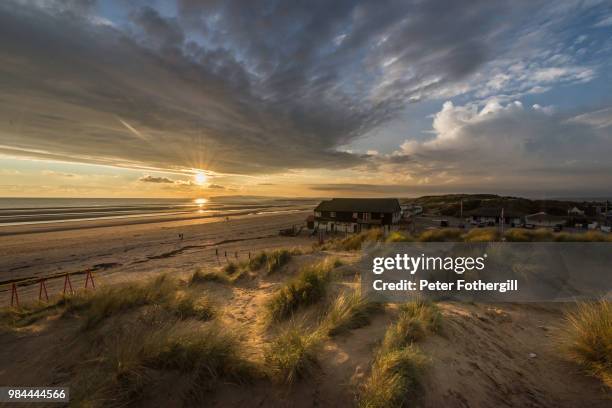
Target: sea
[{"x": 25, "y": 211}]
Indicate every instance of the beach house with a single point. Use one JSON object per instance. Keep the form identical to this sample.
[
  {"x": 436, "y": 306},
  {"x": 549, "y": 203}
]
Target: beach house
[{"x": 357, "y": 214}]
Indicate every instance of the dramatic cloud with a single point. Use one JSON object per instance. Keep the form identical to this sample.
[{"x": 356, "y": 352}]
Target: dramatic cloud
[
  {"x": 509, "y": 146},
  {"x": 258, "y": 86}
]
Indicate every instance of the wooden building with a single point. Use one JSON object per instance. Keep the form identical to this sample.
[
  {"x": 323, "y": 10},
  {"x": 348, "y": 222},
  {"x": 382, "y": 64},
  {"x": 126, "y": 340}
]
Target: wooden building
[{"x": 357, "y": 214}]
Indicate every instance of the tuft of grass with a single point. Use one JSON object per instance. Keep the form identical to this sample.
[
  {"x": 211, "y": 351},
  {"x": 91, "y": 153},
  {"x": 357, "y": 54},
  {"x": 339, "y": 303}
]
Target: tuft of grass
[
  {"x": 349, "y": 311},
  {"x": 308, "y": 287},
  {"x": 394, "y": 380},
  {"x": 191, "y": 306},
  {"x": 523, "y": 235},
  {"x": 121, "y": 372},
  {"x": 108, "y": 301},
  {"x": 396, "y": 372},
  {"x": 588, "y": 338},
  {"x": 25, "y": 315},
  {"x": 441, "y": 235},
  {"x": 258, "y": 261},
  {"x": 397, "y": 236},
  {"x": 415, "y": 319},
  {"x": 355, "y": 241},
  {"x": 231, "y": 268},
  {"x": 277, "y": 259},
  {"x": 481, "y": 235},
  {"x": 210, "y": 276},
  {"x": 293, "y": 354}
]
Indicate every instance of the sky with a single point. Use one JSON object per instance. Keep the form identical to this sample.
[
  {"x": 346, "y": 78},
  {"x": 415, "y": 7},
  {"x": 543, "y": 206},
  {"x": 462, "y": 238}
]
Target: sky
[{"x": 190, "y": 98}]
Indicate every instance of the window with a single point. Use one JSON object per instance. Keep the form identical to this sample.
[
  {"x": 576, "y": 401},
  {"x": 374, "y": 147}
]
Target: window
[
  {"x": 317, "y": 213},
  {"x": 355, "y": 215},
  {"x": 332, "y": 214},
  {"x": 366, "y": 216}
]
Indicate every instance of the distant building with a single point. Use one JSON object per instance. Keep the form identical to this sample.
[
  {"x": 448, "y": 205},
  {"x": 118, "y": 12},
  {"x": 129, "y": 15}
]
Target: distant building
[
  {"x": 542, "y": 219},
  {"x": 494, "y": 214},
  {"x": 575, "y": 211},
  {"x": 411, "y": 210},
  {"x": 357, "y": 214}
]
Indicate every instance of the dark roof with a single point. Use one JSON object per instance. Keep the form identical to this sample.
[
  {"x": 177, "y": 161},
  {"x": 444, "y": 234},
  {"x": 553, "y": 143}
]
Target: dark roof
[
  {"x": 492, "y": 212},
  {"x": 383, "y": 205}
]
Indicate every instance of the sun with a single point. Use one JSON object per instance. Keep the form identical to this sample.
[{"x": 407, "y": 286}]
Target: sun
[{"x": 200, "y": 178}]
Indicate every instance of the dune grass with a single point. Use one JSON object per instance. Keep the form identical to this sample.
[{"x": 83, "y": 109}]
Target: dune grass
[
  {"x": 354, "y": 242},
  {"x": 25, "y": 315},
  {"x": 394, "y": 379},
  {"x": 349, "y": 310},
  {"x": 588, "y": 338},
  {"x": 308, "y": 287},
  {"x": 441, "y": 235},
  {"x": 96, "y": 306},
  {"x": 397, "y": 236},
  {"x": 200, "y": 276},
  {"x": 275, "y": 260},
  {"x": 414, "y": 321},
  {"x": 122, "y": 371},
  {"x": 481, "y": 235},
  {"x": 292, "y": 355},
  {"x": 396, "y": 372}
]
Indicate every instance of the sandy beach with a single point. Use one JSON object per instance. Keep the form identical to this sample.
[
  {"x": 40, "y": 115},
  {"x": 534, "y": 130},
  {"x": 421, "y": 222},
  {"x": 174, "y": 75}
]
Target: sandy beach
[{"x": 120, "y": 250}]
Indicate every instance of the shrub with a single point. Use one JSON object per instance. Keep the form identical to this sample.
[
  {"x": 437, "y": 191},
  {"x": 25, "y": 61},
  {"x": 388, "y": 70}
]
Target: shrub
[{"x": 588, "y": 338}]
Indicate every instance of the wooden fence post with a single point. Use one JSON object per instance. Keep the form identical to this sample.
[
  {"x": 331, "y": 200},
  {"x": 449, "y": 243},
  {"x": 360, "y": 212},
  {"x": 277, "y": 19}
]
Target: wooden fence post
[
  {"x": 14, "y": 295},
  {"x": 43, "y": 288},
  {"x": 67, "y": 284}
]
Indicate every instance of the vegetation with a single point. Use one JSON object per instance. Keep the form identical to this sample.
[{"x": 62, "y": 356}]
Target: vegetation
[
  {"x": 396, "y": 372},
  {"x": 293, "y": 354},
  {"x": 308, "y": 287},
  {"x": 354, "y": 241},
  {"x": 415, "y": 319},
  {"x": 349, "y": 311},
  {"x": 13, "y": 317},
  {"x": 588, "y": 338},
  {"x": 95, "y": 307},
  {"x": 277, "y": 259},
  {"x": 123, "y": 369},
  {"x": 210, "y": 276},
  {"x": 441, "y": 235},
  {"x": 395, "y": 378}
]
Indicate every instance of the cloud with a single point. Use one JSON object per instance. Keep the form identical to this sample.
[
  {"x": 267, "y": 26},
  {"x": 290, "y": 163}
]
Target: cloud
[
  {"x": 216, "y": 186},
  {"x": 51, "y": 173},
  {"x": 258, "y": 87},
  {"x": 151, "y": 179},
  {"x": 508, "y": 145}
]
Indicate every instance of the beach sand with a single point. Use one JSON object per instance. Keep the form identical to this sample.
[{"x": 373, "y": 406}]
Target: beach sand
[{"x": 119, "y": 251}]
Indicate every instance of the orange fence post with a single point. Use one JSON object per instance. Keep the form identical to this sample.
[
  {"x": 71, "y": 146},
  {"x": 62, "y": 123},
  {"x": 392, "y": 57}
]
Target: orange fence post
[
  {"x": 68, "y": 284},
  {"x": 89, "y": 277},
  {"x": 43, "y": 288},
  {"x": 14, "y": 295}
]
